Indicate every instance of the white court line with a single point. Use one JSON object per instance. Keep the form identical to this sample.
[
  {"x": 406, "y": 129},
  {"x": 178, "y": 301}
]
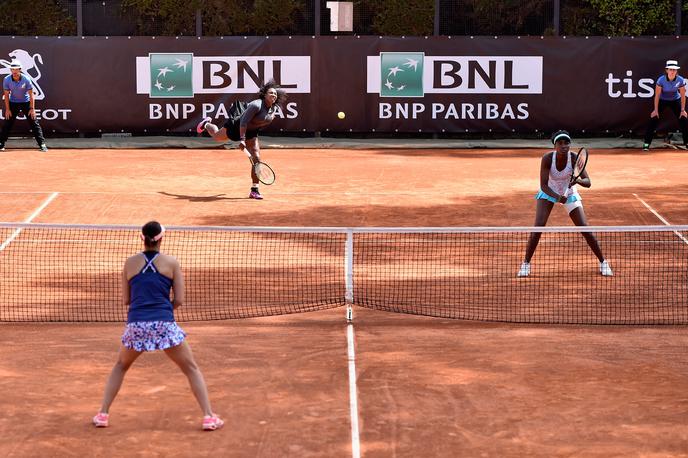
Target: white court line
[
  {"x": 28, "y": 220},
  {"x": 353, "y": 394},
  {"x": 660, "y": 217}
]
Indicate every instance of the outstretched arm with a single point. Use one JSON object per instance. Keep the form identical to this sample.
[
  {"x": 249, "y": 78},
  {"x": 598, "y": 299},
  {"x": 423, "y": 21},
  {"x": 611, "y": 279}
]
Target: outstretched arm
[{"x": 251, "y": 111}]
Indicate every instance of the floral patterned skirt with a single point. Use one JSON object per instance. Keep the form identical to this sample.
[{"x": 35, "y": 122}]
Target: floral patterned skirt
[{"x": 152, "y": 335}]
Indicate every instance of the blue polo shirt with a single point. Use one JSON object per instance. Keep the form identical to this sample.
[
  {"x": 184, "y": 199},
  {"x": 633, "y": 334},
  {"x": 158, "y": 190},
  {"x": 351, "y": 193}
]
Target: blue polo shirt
[
  {"x": 670, "y": 88},
  {"x": 19, "y": 90}
]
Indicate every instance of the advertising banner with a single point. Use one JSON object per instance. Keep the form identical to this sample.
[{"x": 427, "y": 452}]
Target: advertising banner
[{"x": 161, "y": 85}]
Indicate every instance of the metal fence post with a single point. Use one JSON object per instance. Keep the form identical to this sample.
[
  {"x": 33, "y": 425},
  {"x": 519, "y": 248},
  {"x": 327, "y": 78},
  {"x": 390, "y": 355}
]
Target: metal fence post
[
  {"x": 80, "y": 18},
  {"x": 316, "y": 32},
  {"x": 678, "y": 17},
  {"x": 199, "y": 23},
  {"x": 436, "y": 30},
  {"x": 557, "y": 6}
]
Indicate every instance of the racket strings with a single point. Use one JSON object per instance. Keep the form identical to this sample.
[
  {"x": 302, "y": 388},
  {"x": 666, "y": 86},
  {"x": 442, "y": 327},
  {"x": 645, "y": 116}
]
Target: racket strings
[
  {"x": 580, "y": 163},
  {"x": 261, "y": 171},
  {"x": 265, "y": 174}
]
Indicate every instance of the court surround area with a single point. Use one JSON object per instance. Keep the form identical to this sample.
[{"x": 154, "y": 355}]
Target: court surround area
[{"x": 309, "y": 384}]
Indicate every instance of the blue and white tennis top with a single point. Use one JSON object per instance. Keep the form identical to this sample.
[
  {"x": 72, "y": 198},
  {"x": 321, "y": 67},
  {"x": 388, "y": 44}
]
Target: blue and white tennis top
[
  {"x": 149, "y": 293},
  {"x": 559, "y": 180}
]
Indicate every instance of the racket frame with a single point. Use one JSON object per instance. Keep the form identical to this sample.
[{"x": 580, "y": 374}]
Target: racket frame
[
  {"x": 257, "y": 165},
  {"x": 575, "y": 176}
]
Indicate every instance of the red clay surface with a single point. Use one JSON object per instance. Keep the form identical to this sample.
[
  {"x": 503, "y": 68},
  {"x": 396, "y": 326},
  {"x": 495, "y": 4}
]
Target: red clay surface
[
  {"x": 332, "y": 187},
  {"x": 426, "y": 386}
]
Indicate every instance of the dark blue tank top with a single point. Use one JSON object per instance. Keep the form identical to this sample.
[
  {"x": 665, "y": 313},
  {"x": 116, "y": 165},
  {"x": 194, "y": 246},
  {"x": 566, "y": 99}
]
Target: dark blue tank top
[{"x": 149, "y": 293}]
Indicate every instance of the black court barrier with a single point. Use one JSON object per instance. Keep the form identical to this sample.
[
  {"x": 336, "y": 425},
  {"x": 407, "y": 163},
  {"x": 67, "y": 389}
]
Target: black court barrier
[{"x": 146, "y": 85}]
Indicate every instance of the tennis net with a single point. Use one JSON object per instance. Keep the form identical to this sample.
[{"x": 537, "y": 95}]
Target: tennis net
[{"x": 73, "y": 273}]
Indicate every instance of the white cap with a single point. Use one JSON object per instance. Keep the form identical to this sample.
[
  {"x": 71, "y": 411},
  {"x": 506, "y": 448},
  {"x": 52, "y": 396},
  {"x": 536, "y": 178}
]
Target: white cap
[
  {"x": 15, "y": 64},
  {"x": 672, "y": 64}
]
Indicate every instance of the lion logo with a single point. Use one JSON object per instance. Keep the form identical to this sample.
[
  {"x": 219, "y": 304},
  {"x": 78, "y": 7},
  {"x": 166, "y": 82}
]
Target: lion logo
[{"x": 29, "y": 68}]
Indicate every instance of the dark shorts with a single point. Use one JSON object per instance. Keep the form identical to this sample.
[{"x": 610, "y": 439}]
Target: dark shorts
[{"x": 232, "y": 126}]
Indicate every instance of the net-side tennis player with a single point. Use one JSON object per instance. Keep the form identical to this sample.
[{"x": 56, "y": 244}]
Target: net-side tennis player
[
  {"x": 258, "y": 115},
  {"x": 556, "y": 170},
  {"x": 147, "y": 279}
]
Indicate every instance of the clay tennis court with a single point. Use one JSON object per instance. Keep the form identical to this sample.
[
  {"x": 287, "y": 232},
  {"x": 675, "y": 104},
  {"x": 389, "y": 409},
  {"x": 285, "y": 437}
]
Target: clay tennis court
[{"x": 425, "y": 386}]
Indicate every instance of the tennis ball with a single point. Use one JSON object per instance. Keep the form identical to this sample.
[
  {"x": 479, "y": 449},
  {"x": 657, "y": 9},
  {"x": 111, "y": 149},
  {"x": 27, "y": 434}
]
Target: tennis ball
[{"x": 341, "y": 115}]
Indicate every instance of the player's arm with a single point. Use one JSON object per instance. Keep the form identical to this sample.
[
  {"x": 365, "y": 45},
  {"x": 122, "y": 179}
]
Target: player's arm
[
  {"x": 178, "y": 285},
  {"x": 6, "y": 95},
  {"x": 126, "y": 294},
  {"x": 584, "y": 179},
  {"x": 682, "y": 92},
  {"x": 32, "y": 104},
  {"x": 252, "y": 110},
  {"x": 658, "y": 92}
]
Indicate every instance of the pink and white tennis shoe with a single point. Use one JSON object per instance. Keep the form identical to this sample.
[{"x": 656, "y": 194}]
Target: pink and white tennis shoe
[
  {"x": 102, "y": 420},
  {"x": 201, "y": 125},
  {"x": 212, "y": 422}
]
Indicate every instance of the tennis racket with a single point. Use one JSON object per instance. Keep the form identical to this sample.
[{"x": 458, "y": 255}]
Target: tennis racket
[
  {"x": 579, "y": 164},
  {"x": 263, "y": 171}
]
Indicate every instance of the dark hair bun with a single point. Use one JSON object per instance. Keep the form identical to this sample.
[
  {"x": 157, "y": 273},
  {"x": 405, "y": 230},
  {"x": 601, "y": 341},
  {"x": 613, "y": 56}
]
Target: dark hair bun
[{"x": 151, "y": 229}]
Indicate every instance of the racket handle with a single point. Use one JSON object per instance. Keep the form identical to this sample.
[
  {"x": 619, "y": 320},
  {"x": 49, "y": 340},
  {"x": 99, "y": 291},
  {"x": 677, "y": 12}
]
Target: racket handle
[{"x": 247, "y": 153}]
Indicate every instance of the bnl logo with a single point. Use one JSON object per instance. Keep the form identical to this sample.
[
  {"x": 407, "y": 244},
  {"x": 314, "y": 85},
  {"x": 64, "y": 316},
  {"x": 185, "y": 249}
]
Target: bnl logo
[
  {"x": 176, "y": 75},
  {"x": 412, "y": 74},
  {"x": 401, "y": 74},
  {"x": 171, "y": 75}
]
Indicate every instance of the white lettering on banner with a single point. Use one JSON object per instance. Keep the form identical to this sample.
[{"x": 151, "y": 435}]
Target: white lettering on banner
[
  {"x": 292, "y": 112},
  {"x": 175, "y": 111},
  {"x": 618, "y": 87},
  {"x": 453, "y": 111},
  {"x": 48, "y": 114},
  {"x": 466, "y": 74},
  {"x": 154, "y": 111}
]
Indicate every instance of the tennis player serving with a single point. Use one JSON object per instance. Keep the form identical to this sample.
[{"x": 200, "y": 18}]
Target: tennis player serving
[
  {"x": 147, "y": 279},
  {"x": 556, "y": 173},
  {"x": 244, "y": 129}
]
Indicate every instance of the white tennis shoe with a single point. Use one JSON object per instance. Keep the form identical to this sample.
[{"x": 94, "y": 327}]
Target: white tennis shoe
[
  {"x": 605, "y": 269},
  {"x": 524, "y": 271}
]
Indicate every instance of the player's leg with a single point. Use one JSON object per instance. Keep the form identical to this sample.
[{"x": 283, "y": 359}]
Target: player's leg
[
  {"x": 125, "y": 359},
  {"x": 683, "y": 126},
  {"x": 577, "y": 215},
  {"x": 652, "y": 127},
  {"x": 682, "y": 121},
  {"x": 253, "y": 147},
  {"x": 219, "y": 134},
  {"x": 35, "y": 128},
  {"x": 183, "y": 357},
  {"x": 543, "y": 208}
]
